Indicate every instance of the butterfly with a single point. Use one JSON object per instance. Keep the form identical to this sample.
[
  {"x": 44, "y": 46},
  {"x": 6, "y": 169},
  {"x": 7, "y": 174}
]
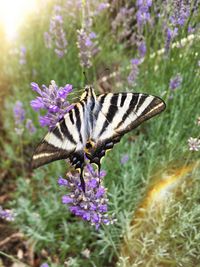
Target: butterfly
[{"x": 93, "y": 126}]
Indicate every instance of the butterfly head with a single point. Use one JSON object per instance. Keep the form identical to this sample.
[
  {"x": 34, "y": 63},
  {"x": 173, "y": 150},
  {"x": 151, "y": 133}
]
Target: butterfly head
[{"x": 88, "y": 93}]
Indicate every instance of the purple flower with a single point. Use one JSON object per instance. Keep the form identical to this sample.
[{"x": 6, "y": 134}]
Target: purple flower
[
  {"x": 124, "y": 159},
  {"x": 44, "y": 265},
  {"x": 88, "y": 47},
  {"x": 91, "y": 206},
  {"x": 36, "y": 88},
  {"x": 134, "y": 71},
  {"x": 135, "y": 61},
  {"x": 37, "y": 104},
  {"x": 170, "y": 35},
  {"x": 22, "y": 55},
  {"x": 92, "y": 35},
  {"x": 56, "y": 36},
  {"x": 175, "y": 82},
  {"x": 175, "y": 15},
  {"x": 45, "y": 121},
  {"x": 88, "y": 42},
  {"x": 19, "y": 113},
  {"x": 53, "y": 100},
  {"x": 67, "y": 199},
  {"x": 48, "y": 40},
  {"x": 142, "y": 49},
  {"x": 191, "y": 29},
  {"x": 62, "y": 182},
  {"x": 102, "y": 6},
  {"x": 6, "y": 214},
  {"x": 100, "y": 192},
  {"x": 143, "y": 15},
  {"x": 181, "y": 12},
  {"x": 63, "y": 92},
  {"x": 122, "y": 26},
  {"x": 30, "y": 127}
]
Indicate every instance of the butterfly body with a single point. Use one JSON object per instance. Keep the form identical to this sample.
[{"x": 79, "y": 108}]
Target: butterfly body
[{"x": 94, "y": 125}]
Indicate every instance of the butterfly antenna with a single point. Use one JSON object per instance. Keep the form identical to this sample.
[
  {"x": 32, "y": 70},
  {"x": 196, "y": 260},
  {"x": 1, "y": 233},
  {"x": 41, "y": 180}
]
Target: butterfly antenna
[{"x": 85, "y": 76}]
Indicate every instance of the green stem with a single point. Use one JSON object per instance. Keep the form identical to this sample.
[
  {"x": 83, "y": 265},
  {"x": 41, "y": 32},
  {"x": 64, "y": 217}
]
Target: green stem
[{"x": 22, "y": 154}]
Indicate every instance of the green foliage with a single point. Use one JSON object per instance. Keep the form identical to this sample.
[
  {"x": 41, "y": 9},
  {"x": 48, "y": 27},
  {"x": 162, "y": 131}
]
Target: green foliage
[
  {"x": 152, "y": 148},
  {"x": 169, "y": 232}
]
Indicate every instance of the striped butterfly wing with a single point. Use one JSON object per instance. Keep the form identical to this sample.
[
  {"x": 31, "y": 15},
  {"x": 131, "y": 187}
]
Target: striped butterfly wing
[
  {"x": 118, "y": 114},
  {"x": 64, "y": 141}
]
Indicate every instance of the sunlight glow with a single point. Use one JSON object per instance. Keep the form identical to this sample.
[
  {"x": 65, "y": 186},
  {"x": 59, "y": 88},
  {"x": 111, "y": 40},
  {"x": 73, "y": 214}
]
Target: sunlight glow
[
  {"x": 13, "y": 14},
  {"x": 160, "y": 192}
]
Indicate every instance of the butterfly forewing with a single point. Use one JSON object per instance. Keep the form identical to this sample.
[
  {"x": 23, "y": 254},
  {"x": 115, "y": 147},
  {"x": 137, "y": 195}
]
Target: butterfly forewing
[
  {"x": 63, "y": 141},
  {"x": 119, "y": 114}
]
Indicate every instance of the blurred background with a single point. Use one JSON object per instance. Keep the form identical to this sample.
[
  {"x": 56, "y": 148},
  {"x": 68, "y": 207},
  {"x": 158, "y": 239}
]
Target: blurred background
[{"x": 152, "y": 175}]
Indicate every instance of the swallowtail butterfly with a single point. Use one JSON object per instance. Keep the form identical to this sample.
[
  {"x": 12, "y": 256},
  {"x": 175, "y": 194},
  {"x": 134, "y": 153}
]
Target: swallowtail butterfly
[{"x": 94, "y": 125}]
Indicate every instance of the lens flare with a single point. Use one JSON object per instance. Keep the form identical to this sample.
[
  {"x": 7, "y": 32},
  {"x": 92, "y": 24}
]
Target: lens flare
[
  {"x": 13, "y": 14},
  {"x": 162, "y": 189}
]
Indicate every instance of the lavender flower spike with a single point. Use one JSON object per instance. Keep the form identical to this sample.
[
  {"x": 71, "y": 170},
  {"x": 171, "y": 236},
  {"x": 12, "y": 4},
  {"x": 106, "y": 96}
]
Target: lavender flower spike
[
  {"x": 22, "y": 55},
  {"x": 88, "y": 47},
  {"x": 53, "y": 100},
  {"x": 19, "y": 113},
  {"x": 135, "y": 62},
  {"x": 91, "y": 206},
  {"x": 124, "y": 159},
  {"x": 143, "y": 14},
  {"x": 30, "y": 127},
  {"x": 19, "y": 117},
  {"x": 56, "y": 36},
  {"x": 6, "y": 214},
  {"x": 175, "y": 82}
]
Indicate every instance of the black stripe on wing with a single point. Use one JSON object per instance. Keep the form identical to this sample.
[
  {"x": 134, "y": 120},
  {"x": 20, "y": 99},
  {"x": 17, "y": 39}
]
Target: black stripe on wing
[
  {"x": 58, "y": 133},
  {"x": 112, "y": 111},
  {"x": 132, "y": 105},
  {"x": 65, "y": 131},
  {"x": 155, "y": 107},
  {"x": 78, "y": 120},
  {"x": 123, "y": 98},
  {"x": 71, "y": 116}
]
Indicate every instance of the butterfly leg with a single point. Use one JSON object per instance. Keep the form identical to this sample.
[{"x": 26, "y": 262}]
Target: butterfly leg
[
  {"x": 98, "y": 164},
  {"x": 99, "y": 170},
  {"x": 82, "y": 179}
]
